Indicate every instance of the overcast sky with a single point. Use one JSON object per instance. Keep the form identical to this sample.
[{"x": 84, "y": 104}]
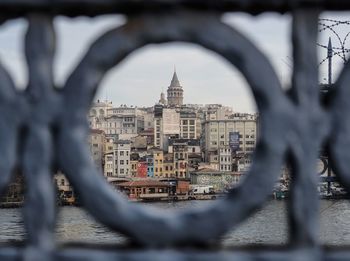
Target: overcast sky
[{"x": 139, "y": 79}]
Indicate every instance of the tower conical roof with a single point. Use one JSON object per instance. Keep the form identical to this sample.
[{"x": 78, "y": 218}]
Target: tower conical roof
[{"x": 175, "y": 81}]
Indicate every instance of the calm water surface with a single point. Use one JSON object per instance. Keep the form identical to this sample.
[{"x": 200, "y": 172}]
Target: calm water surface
[{"x": 267, "y": 226}]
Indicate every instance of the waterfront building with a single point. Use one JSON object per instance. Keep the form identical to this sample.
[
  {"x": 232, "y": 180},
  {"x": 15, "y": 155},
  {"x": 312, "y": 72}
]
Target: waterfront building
[
  {"x": 145, "y": 189},
  {"x": 175, "y": 92}
]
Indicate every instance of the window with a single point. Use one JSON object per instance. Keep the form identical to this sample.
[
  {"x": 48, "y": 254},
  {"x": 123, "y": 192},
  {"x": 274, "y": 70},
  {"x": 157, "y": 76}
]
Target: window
[
  {"x": 121, "y": 162},
  {"x": 192, "y": 122}
]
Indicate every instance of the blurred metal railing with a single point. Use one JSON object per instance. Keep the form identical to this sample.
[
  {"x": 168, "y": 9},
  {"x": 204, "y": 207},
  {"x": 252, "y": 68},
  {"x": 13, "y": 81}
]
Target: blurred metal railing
[{"x": 44, "y": 128}]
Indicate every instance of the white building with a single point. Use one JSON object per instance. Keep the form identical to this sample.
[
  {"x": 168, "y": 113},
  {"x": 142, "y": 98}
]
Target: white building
[
  {"x": 99, "y": 109},
  {"x": 124, "y": 122},
  {"x": 122, "y": 159},
  {"x": 225, "y": 159},
  {"x": 166, "y": 124}
]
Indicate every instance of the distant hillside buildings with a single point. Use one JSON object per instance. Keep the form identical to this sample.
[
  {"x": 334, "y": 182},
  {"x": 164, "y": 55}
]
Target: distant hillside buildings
[{"x": 170, "y": 139}]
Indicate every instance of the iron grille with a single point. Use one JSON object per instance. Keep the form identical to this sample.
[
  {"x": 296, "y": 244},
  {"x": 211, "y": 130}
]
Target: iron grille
[{"x": 44, "y": 128}]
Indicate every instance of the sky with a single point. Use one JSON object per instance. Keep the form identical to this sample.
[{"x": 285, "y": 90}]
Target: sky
[{"x": 143, "y": 75}]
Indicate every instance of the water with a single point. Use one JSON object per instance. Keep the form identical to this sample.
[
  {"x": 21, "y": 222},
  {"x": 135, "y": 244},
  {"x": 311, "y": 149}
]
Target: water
[{"x": 267, "y": 226}]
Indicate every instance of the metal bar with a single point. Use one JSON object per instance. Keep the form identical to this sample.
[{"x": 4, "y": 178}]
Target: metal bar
[
  {"x": 18, "y": 8},
  {"x": 271, "y": 254},
  {"x": 308, "y": 130},
  {"x": 40, "y": 47}
]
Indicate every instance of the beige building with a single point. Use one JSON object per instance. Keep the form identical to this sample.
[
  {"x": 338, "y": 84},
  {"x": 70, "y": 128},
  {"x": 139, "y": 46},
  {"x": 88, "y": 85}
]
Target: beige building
[
  {"x": 188, "y": 126},
  {"x": 109, "y": 166},
  {"x": 216, "y": 134}
]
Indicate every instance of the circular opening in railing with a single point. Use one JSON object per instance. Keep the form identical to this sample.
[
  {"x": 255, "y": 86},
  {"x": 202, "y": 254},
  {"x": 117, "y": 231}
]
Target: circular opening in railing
[{"x": 173, "y": 127}]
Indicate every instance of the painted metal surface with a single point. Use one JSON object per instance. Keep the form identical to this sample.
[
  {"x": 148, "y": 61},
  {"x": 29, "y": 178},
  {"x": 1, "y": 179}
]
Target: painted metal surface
[{"x": 44, "y": 128}]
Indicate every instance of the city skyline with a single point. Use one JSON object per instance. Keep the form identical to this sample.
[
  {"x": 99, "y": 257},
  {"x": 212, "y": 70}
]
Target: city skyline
[{"x": 141, "y": 77}]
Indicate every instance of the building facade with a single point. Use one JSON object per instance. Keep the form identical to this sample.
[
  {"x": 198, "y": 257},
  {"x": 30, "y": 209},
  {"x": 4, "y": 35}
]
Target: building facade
[
  {"x": 216, "y": 134},
  {"x": 122, "y": 159}
]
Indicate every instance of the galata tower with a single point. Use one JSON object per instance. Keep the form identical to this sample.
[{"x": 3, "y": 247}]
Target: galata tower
[{"x": 175, "y": 92}]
